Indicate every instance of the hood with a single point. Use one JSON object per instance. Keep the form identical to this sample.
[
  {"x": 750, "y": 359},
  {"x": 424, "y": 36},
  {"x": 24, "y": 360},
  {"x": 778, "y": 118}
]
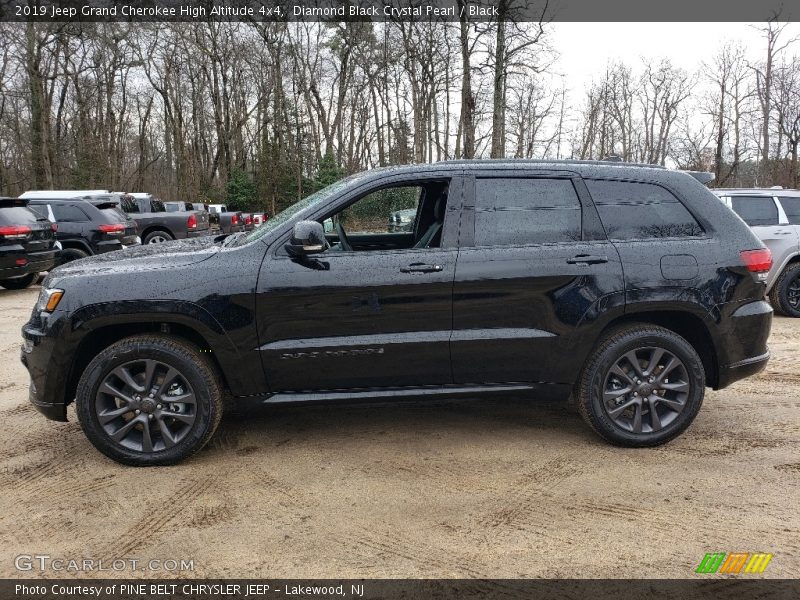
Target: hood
[{"x": 149, "y": 257}]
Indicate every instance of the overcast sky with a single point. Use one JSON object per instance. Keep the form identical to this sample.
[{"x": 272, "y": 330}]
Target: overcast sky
[{"x": 586, "y": 48}]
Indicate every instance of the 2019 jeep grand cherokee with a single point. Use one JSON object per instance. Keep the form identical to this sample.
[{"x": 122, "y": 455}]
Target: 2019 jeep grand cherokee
[{"x": 628, "y": 288}]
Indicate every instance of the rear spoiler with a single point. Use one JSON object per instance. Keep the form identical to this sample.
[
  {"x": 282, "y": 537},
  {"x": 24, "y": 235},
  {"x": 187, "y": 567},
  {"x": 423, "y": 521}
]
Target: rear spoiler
[
  {"x": 703, "y": 177},
  {"x": 9, "y": 202}
]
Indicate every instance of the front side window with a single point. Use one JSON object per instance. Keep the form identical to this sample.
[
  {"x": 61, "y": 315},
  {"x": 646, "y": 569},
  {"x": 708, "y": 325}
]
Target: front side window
[
  {"x": 388, "y": 210},
  {"x": 756, "y": 210},
  {"x": 635, "y": 211},
  {"x": 519, "y": 211}
]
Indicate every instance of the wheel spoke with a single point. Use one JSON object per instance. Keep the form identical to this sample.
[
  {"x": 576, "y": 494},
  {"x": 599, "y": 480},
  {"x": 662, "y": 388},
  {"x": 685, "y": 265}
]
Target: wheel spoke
[
  {"x": 125, "y": 375},
  {"x": 677, "y": 386},
  {"x": 147, "y": 441},
  {"x": 675, "y": 405},
  {"x": 180, "y": 399},
  {"x": 107, "y": 388},
  {"x": 186, "y": 418},
  {"x": 171, "y": 376},
  {"x": 109, "y": 415},
  {"x": 655, "y": 358},
  {"x": 149, "y": 372},
  {"x": 166, "y": 435},
  {"x": 637, "y": 418},
  {"x": 618, "y": 410},
  {"x": 619, "y": 372},
  {"x": 670, "y": 366},
  {"x": 614, "y": 394},
  {"x": 655, "y": 421},
  {"x": 120, "y": 433},
  {"x": 634, "y": 360}
]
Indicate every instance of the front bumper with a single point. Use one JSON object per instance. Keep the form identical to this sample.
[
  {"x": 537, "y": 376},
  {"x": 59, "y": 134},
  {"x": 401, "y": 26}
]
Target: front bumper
[{"x": 47, "y": 363}]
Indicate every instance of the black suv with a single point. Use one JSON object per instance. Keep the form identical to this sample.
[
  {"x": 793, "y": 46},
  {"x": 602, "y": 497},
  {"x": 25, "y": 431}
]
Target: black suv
[
  {"x": 27, "y": 244},
  {"x": 87, "y": 227},
  {"x": 628, "y": 288}
]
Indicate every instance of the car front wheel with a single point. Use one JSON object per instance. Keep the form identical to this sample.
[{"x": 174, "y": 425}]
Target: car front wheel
[
  {"x": 642, "y": 386},
  {"x": 149, "y": 400}
]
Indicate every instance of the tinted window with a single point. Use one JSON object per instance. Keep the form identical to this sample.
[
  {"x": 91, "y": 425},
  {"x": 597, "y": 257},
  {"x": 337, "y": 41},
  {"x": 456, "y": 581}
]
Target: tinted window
[
  {"x": 18, "y": 215},
  {"x": 68, "y": 213},
  {"x": 158, "y": 206},
  {"x": 635, "y": 211},
  {"x": 756, "y": 210},
  {"x": 114, "y": 215},
  {"x": 791, "y": 206},
  {"x": 128, "y": 204},
  {"x": 526, "y": 211}
]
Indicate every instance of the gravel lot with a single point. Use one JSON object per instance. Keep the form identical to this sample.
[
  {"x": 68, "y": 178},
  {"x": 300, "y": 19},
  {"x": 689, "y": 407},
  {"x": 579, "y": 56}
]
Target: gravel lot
[{"x": 497, "y": 488}]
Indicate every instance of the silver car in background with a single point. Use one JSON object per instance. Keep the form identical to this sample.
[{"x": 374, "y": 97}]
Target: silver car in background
[{"x": 774, "y": 216}]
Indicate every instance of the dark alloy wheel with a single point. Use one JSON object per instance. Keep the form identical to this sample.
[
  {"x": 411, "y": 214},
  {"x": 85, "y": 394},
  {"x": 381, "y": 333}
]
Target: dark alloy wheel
[
  {"x": 146, "y": 405},
  {"x": 642, "y": 386},
  {"x": 149, "y": 400},
  {"x": 785, "y": 294},
  {"x": 646, "y": 390}
]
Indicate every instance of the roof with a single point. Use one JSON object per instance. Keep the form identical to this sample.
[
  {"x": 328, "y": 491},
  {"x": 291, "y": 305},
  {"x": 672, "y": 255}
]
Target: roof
[{"x": 773, "y": 191}]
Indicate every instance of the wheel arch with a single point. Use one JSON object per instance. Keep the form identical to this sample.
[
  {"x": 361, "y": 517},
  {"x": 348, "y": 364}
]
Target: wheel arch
[
  {"x": 102, "y": 332},
  {"x": 686, "y": 324},
  {"x": 76, "y": 245}
]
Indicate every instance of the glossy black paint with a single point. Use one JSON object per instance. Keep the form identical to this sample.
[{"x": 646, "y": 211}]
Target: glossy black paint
[
  {"x": 37, "y": 249},
  {"x": 394, "y": 322}
]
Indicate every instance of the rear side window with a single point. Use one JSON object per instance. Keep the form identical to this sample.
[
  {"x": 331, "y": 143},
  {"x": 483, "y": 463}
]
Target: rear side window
[
  {"x": 635, "y": 211},
  {"x": 114, "y": 215},
  {"x": 791, "y": 206},
  {"x": 526, "y": 211},
  {"x": 756, "y": 210},
  {"x": 68, "y": 213}
]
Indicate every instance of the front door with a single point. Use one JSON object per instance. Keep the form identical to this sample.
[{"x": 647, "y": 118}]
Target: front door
[{"x": 373, "y": 311}]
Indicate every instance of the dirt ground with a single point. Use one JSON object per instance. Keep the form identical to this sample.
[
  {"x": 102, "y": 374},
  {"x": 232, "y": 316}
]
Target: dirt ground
[{"x": 493, "y": 488}]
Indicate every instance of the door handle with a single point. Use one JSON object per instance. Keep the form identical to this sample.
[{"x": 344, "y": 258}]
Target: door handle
[
  {"x": 421, "y": 268},
  {"x": 587, "y": 259}
]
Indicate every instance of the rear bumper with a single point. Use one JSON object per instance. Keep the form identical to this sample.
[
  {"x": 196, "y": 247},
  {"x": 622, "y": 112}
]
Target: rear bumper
[
  {"x": 37, "y": 262},
  {"x": 743, "y": 348},
  {"x": 196, "y": 233}
]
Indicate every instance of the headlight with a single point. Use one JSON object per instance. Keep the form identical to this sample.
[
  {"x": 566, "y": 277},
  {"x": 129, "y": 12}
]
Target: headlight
[{"x": 48, "y": 300}]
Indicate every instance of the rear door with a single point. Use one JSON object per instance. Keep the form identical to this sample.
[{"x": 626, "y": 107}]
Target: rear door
[{"x": 533, "y": 269}]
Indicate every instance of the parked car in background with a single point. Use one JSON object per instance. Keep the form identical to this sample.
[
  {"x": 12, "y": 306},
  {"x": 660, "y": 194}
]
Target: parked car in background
[
  {"x": 249, "y": 224},
  {"x": 156, "y": 225},
  {"x": 629, "y": 288},
  {"x": 85, "y": 228},
  {"x": 178, "y": 206},
  {"x": 226, "y": 221},
  {"x": 27, "y": 244},
  {"x": 774, "y": 216},
  {"x": 259, "y": 218},
  {"x": 402, "y": 220},
  {"x": 63, "y": 193}
]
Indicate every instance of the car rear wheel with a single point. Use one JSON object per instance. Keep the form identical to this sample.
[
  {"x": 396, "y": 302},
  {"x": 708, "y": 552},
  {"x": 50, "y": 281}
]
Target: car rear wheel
[
  {"x": 157, "y": 237},
  {"x": 785, "y": 294},
  {"x": 149, "y": 400},
  {"x": 642, "y": 386},
  {"x": 70, "y": 254},
  {"x": 19, "y": 283}
]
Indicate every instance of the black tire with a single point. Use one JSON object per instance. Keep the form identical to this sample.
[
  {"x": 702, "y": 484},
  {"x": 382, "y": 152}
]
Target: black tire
[
  {"x": 785, "y": 294},
  {"x": 70, "y": 254},
  {"x": 19, "y": 283},
  {"x": 600, "y": 392},
  {"x": 184, "y": 438},
  {"x": 157, "y": 237}
]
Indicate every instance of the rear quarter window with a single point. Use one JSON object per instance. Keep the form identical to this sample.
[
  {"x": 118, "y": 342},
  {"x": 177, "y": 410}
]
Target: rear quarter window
[
  {"x": 756, "y": 211},
  {"x": 68, "y": 213},
  {"x": 791, "y": 206},
  {"x": 635, "y": 211},
  {"x": 114, "y": 215}
]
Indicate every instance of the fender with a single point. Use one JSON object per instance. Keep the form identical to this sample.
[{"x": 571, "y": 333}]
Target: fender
[{"x": 120, "y": 314}]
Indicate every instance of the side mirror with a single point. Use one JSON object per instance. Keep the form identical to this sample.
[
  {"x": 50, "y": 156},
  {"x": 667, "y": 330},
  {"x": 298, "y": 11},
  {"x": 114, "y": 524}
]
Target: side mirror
[{"x": 308, "y": 237}]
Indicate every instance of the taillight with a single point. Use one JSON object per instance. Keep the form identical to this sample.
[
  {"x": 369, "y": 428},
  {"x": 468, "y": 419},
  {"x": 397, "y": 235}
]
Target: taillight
[
  {"x": 191, "y": 223},
  {"x": 248, "y": 220},
  {"x": 112, "y": 228},
  {"x": 234, "y": 219},
  {"x": 54, "y": 227},
  {"x": 15, "y": 232},
  {"x": 757, "y": 261}
]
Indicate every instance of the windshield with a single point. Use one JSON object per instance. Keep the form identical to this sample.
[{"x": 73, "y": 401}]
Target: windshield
[{"x": 307, "y": 202}]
